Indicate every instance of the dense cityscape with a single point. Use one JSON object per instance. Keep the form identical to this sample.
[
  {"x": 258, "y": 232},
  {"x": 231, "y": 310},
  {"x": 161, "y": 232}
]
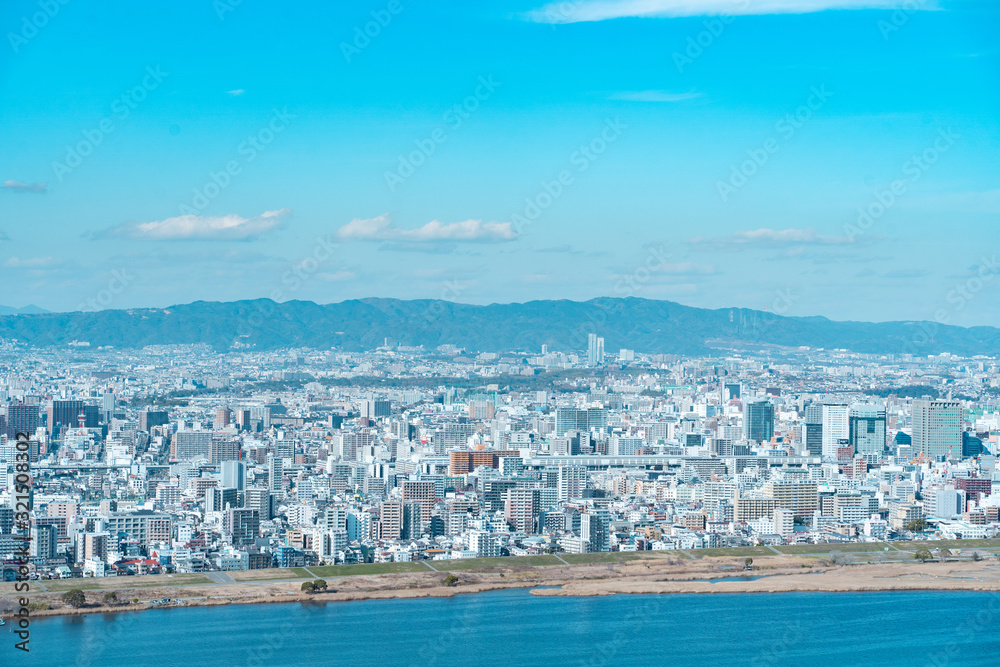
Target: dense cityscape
[{"x": 184, "y": 459}]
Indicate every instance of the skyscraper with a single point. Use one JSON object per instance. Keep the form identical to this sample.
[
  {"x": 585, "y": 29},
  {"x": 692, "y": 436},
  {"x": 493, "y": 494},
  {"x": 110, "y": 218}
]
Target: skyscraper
[
  {"x": 937, "y": 427},
  {"x": 758, "y": 421},
  {"x": 233, "y": 475},
  {"x": 814, "y": 429},
  {"x": 595, "y": 350},
  {"x": 867, "y": 429},
  {"x": 836, "y": 428}
]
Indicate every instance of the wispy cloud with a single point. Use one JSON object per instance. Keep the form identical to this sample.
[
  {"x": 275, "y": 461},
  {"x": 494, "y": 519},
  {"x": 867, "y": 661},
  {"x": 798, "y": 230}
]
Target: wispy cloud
[
  {"x": 235, "y": 93},
  {"x": 383, "y": 228},
  {"x": 770, "y": 238},
  {"x": 654, "y": 96},
  {"x": 18, "y": 186},
  {"x": 562, "y": 11},
  {"x": 202, "y": 227},
  {"x": 32, "y": 262}
]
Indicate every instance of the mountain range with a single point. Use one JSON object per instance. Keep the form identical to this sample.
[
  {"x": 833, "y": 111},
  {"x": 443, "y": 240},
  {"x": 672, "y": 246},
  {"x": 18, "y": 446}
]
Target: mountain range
[{"x": 644, "y": 325}]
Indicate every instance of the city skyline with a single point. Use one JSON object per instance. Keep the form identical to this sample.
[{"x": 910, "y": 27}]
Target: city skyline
[{"x": 217, "y": 168}]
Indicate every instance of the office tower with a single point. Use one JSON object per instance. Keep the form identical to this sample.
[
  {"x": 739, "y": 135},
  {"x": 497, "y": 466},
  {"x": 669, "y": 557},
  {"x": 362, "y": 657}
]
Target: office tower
[
  {"x": 150, "y": 418},
  {"x": 595, "y": 350},
  {"x": 234, "y": 475},
  {"x": 522, "y": 508},
  {"x": 937, "y": 427},
  {"x": 971, "y": 445},
  {"x": 734, "y": 390},
  {"x": 867, "y": 430},
  {"x": 814, "y": 429},
  {"x": 275, "y": 474},
  {"x": 63, "y": 415},
  {"x": 108, "y": 404},
  {"x": 570, "y": 419},
  {"x": 374, "y": 409},
  {"x": 758, "y": 421},
  {"x": 23, "y": 418},
  {"x": 836, "y": 428}
]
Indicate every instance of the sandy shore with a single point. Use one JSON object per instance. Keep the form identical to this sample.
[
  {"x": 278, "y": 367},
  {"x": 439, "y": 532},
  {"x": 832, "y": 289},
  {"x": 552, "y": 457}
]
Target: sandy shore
[
  {"x": 657, "y": 575},
  {"x": 855, "y": 578}
]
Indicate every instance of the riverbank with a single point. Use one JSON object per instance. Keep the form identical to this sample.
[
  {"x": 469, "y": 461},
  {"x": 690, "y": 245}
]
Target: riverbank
[{"x": 656, "y": 574}]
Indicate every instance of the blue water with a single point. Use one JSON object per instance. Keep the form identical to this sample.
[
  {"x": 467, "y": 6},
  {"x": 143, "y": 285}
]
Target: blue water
[{"x": 513, "y": 628}]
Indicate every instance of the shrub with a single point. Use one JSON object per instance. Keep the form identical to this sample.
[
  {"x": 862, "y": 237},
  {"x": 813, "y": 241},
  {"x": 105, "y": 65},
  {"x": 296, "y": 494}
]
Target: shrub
[{"x": 74, "y": 598}]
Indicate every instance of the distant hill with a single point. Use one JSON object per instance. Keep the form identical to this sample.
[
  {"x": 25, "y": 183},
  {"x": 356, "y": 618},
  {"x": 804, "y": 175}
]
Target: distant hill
[
  {"x": 640, "y": 324},
  {"x": 27, "y": 310}
]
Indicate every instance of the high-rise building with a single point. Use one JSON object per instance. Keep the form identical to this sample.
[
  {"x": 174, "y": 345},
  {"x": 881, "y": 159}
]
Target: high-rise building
[
  {"x": 63, "y": 415},
  {"x": 758, "y": 421},
  {"x": 23, "y": 418},
  {"x": 242, "y": 523},
  {"x": 150, "y": 418},
  {"x": 595, "y": 530},
  {"x": 937, "y": 427},
  {"x": 223, "y": 418},
  {"x": 522, "y": 509},
  {"x": 191, "y": 445},
  {"x": 275, "y": 474},
  {"x": 391, "y": 520},
  {"x": 814, "y": 429},
  {"x": 867, "y": 429},
  {"x": 572, "y": 482},
  {"x": 836, "y": 428},
  {"x": 595, "y": 350},
  {"x": 422, "y": 492},
  {"x": 234, "y": 475}
]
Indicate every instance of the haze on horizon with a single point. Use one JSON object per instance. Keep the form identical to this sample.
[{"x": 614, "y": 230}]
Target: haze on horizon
[{"x": 716, "y": 154}]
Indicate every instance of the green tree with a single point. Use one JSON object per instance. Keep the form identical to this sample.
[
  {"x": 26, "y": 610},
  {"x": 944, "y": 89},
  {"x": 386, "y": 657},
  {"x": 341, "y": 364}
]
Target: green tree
[
  {"x": 307, "y": 587},
  {"x": 110, "y": 598},
  {"x": 923, "y": 555},
  {"x": 320, "y": 584},
  {"x": 74, "y": 598},
  {"x": 450, "y": 580},
  {"x": 916, "y": 525},
  {"x": 748, "y": 562}
]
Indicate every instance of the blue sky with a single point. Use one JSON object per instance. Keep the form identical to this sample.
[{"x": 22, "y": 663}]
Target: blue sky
[{"x": 711, "y": 152}]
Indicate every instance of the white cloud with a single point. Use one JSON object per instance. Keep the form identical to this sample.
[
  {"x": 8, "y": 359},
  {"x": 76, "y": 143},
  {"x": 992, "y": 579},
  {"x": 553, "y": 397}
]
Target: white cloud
[
  {"x": 383, "y": 228},
  {"x": 32, "y": 262},
  {"x": 685, "y": 269},
  {"x": 570, "y": 11},
  {"x": 18, "y": 186},
  {"x": 236, "y": 93},
  {"x": 337, "y": 276},
  {"x": 654, "y": 96},
  {"x": 770, "y": 238},
  {"x": 202, "y": 227}
]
